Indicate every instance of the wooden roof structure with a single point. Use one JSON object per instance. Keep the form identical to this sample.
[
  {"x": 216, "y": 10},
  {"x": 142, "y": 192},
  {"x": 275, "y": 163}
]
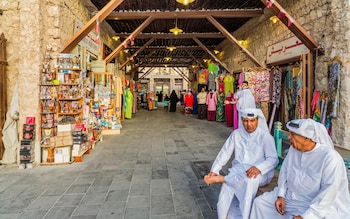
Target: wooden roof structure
[{"x": 144, "y": 26}]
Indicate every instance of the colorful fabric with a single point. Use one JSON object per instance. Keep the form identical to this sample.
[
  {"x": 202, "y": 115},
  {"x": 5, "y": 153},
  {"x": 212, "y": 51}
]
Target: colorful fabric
[
  {"x": 220, "y": 108},
  {"x": 229, "y": 81}
]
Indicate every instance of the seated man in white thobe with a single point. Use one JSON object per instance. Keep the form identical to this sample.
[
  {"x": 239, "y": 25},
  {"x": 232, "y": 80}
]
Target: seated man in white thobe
[
  {"x": 312, "y": 182},
  {"x": 255, "y": 159}
]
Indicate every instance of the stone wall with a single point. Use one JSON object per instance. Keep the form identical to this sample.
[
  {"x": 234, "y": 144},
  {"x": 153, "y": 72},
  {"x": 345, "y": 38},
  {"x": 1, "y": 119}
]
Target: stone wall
[{"x": 327, "y": 22}]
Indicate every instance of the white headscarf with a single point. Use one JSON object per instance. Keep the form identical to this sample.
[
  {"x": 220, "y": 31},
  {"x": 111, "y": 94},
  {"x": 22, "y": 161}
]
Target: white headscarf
[
  {"x": 251, "y": 113},
  {"x": 309, "y": 128}
]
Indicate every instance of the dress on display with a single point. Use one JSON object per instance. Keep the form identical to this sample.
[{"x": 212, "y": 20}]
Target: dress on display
[
  {"x": 229, "y": 110},
  {"x": 129, "y": 98},
  {"x": 211, "y": 103},
  {"x": 220, "y": 108}
]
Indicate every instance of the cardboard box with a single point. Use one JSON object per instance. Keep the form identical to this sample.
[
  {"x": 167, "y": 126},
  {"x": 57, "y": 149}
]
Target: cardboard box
[{"x": 62, "y": 155}]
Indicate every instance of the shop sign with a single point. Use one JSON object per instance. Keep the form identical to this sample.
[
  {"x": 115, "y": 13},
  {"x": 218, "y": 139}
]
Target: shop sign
[
  {"x": 89, "y": 41},
  {"x": 285, "y": 50}
]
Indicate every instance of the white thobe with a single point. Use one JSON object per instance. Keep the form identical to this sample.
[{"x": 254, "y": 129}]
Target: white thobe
[
  {"x": 250, "y": 149},
  {"x": 314, "y": 185},
  {"x": 245, "y": 100}
]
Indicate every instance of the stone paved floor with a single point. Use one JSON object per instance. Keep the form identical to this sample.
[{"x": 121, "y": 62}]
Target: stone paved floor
[
  {"x": 144, "y": 172},
  {"x": 152, "y": 170}
]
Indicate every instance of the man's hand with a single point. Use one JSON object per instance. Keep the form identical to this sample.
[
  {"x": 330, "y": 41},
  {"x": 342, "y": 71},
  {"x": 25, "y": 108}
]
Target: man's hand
[
  {"x": 252, "y": 172},
  {"x": 298, "y": 217},
  {"x": 280, "y": 204},
  {"x": 207, "y": 178}
]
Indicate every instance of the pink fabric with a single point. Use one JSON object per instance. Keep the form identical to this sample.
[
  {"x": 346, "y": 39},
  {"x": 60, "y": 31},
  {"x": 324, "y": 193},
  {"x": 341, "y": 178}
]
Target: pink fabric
[
  {"x": 211, "y": 101},
  {"x": 235, "y": 117}
]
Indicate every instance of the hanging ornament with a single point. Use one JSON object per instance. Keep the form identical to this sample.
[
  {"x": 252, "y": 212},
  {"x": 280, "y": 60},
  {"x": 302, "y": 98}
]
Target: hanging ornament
[
  {"x": 97, "y": 28},
  {"x": 281, "y": 14},
  {"x": 132, "y": 40},
  {"x": 290, "y": 21},
  {"x": 270, "y": 3},
  {"x": 125, "y": 44}
]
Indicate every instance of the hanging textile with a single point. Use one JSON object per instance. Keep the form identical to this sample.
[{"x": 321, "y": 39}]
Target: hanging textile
[
  {"x": 334, "y": 85},
  {"x": 220, "y": 108},
  {"x": 259, "y": 82},
  {"x": 228, "y": 84}
]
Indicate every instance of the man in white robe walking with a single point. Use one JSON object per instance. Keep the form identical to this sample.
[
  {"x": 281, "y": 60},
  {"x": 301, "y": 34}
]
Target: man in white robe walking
[
  {"x": 312, "y": 183},
  {"x": 253, "y": 165}
]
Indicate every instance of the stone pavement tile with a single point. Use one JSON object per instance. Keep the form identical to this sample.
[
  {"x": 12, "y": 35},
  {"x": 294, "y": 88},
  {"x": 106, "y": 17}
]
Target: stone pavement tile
[
  {"x": 140, "y": 188},
  {"x": 93, "y": 198},
  {"x": 87, "y": 210},
  {"x": 111, "y": 213},
  {"x": 138, "y": 202},
  {"x": 207, "y": 211},
  {"x": 160, "y": 174},
  {"x": 162, "y": 204},
  {"x": 31, "y": 214},
  {"x": 165, "y": 216},
  {"x": 43, "y": 203},
  {"x": 161, "y": 190},
  {"x": 120, "y": 184},
  {"x": 16, "y": 205},
  {"x": 105, "y": 180},
  {"x": 139, "y": 213},
  {"x": 59, "y": 213},
  {"x": 84, "y": 217},
  {"x": 10, "y": 215},
  {"x": 56, "y": 190},
  {"x": 69, "y": 200},
  {"x": 84, "y": 180},
  {"x": 116, "y": 196},
  {"x": 98, "y": 189},
  {"x": 78, "y": 188}
]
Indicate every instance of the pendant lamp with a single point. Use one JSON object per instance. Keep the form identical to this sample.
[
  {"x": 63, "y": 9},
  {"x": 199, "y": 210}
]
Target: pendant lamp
[
  {"x": 185, "y": 2},
  {"x": 176, "y": 30}
]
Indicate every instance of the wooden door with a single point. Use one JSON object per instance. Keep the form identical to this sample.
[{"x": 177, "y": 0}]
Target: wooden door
[{"x": 3, "y": 89}]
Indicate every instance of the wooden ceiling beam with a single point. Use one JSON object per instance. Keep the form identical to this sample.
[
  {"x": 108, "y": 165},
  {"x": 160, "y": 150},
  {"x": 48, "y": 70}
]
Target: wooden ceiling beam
[
  {"x": 295, "y": 27},
  {"x": 211, "y": 54},
  {"x": 188, "y": 14},
  {"x": 232, "y": 39},
  {"x": 85, "y": 30},
  {"x": 111, "y": 56},
  {"x": 177, "y": 48},
  {"x": 196, "y": 59},
  {"x": 137, "y": 52},
  {"x": 172, "y": 36}
]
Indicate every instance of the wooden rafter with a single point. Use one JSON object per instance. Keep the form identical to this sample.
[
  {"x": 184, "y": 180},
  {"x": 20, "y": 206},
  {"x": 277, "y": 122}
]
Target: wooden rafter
[
  {"x": 137, "y": 52},
  {"x": 295, "y": 27},
  {"x": 193, "y": 57},
  {"x": 85, "y": 30},
  {"x": 111, "y": 56},
  {"x": 172, "y": 36},
  {"x": 232, "y": 39},
  {"x": 210, "y": 53},
  {"x": 188, "y": 14}
]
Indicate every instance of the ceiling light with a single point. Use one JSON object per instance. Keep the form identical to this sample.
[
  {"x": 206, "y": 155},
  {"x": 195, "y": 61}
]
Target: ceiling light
[
  {"x": 116, "y": 38},
  {"x": 171, "y": 48},
  {"x": 176, "y": 30},
  {"x": 216, "y": 51},
  {"x": 167, "y": 58},
  {"x": 185, "y": 2},
  {"x": 243, "y": 43},
  {"x": 274, "y": 19},
  {"x": 126, "y": 50}
]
